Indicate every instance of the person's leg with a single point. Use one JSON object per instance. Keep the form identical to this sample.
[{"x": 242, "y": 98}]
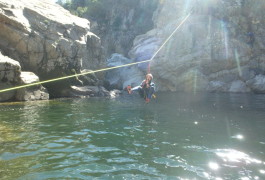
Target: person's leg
[
  {"x": 141, "y": 92},
  {"x": 137, "y": 88},
  {"x": 150, "y": 92},
  {"x": 131, "y": 90}
]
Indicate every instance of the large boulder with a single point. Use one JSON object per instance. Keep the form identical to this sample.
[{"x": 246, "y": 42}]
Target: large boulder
[
  {"x": 119, "y": 78},
  {"x": 89, "y": 91},
  {"x": 36, "y": 92},
  {"x": 11, "y": 75},
  {"x": 257, "y": 84},
  {"x": 239, "y": 86},
  {"x": 10, "y": 71},
  {"x": 47, "y": 40}
]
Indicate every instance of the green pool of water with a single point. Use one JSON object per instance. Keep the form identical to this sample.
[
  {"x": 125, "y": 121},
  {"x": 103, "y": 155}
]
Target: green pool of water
[{"x": 176, "y": 136}]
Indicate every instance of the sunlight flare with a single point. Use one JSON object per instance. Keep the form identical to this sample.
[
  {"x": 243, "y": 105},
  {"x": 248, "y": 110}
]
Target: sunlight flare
[
  {"x": 238, "y": 63},
  {"x": 225, "y": 39},
  {"x": 234, "y": 156}
]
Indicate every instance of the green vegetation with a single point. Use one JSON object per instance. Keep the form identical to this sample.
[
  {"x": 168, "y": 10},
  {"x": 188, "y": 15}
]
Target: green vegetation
[
  {"x": 92, "y": 9},
  {"x": 101, "y": 10}
]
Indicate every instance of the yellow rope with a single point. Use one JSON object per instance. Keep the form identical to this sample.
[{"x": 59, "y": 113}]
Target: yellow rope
[
  {"x": 170, "y": 36},
  {"x": 70, "y": 76},
  {"x": 100, "y": 70}
]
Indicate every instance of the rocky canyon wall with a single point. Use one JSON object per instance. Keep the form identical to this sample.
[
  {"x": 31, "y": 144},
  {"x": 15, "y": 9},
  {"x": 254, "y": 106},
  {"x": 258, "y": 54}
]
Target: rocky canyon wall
[
  {"x": 47, "y": 40},
  {"x": 220, "y": 48}
]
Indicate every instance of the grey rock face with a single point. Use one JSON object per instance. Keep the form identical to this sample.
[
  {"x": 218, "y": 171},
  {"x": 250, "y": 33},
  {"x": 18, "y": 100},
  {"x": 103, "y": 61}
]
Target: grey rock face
[
  {"x": 47, "y": 40},
  {"x": 239, "y": 86},
  {"x": 89, "y": 91},
  {"x": 257, "y": 84},
  {"x": 11, "y": 75},
  {"x": 217, "y": 86},
  {"x": 32, "y": 93},
  {"x": 122, "y": 77},
  {"x": 123, "y": 21},
  {"x": 219, "y": 48}
]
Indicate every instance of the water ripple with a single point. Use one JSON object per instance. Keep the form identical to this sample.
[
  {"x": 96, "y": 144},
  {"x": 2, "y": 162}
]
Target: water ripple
[{"x": 177, "y": 162}]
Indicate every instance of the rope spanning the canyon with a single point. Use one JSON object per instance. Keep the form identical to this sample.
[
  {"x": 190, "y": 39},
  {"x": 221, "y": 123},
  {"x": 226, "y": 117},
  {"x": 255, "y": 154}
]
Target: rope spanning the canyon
[
  {"x": 103, "y": 69},
  {"x": 70, "y": 76}
]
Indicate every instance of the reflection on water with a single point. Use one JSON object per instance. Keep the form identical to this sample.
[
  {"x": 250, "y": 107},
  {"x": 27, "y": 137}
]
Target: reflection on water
[
  {"x": 177, "y": 136},
  {"x": 234, "y": 156}
]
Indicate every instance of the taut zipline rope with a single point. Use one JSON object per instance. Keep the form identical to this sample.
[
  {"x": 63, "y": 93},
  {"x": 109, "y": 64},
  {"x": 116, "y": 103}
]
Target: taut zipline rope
[
  {"x": 104, "y": 69},
  {"x": 169, "y": 37},
  {"x": 70, "y": 76}
]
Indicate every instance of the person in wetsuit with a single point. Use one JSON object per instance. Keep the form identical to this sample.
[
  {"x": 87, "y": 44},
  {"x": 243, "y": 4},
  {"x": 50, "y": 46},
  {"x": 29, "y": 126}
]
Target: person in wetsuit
[{"x": 146, "y": 89}]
